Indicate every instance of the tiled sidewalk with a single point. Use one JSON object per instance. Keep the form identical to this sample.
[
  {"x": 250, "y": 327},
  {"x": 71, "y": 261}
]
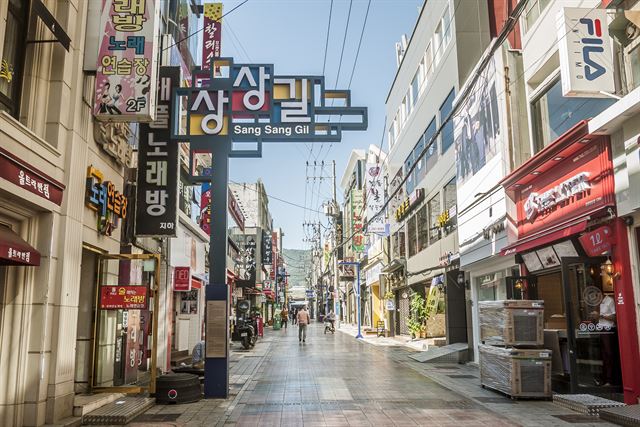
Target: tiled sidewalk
[{"x": 336, "y": 380}]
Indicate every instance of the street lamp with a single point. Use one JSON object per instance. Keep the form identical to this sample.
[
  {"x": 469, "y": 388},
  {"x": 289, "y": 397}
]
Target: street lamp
[{"x": 357, "y": 292}]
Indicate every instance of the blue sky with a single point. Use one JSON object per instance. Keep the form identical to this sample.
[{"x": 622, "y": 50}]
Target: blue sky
[{"x": 291, "y": 34}]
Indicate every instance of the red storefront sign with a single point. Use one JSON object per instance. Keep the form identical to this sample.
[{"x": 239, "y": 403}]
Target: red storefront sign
[
  {"x": 568, "y": 180},
  {"x": 29, "y": 178},
  {"x": 235, "y": 211},
  {"x": 123, "y": 297},
  {"x": 182, "y": 279},
  {"x": 597, "y": 242}
]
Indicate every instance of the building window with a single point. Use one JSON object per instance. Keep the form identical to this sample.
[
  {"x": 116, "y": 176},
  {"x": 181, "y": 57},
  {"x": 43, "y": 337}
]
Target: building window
[
  {"x": 533, "y": 11},
  {"x": 446, "y": 27},
  {"x": 420, "y": 171},
  {"x": 450, "y": 205},
  {"x": 554, "y": 114},
  {"x": 447, "y": 130},
  {"x": 423, "y": 228},
  {"x": 428, "y": 66},
  {"x": 399, "y": 249},
  {"x": 13, "y": 51},
  {"x": 415, "y": 88},
  {"x": 632, "y": 64},
  {"x": 437, "y": 41},
  {"x": 410, "y": 183},
  {"x": 431, "y": 156},
  {"x": 434, "y": 212},
  {"x": 413, "y": 236}
]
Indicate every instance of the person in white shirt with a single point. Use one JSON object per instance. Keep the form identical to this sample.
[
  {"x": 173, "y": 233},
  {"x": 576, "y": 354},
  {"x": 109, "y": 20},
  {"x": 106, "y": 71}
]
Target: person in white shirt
[{"x": 607, "y": 320}]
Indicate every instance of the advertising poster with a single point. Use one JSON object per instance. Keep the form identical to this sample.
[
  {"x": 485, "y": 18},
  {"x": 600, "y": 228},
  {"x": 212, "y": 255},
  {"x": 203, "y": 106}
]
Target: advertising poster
[{"x": 126, "y": 77}]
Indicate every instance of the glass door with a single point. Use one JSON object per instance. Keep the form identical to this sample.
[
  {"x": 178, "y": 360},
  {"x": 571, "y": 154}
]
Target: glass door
[{"x": 592, "y": 338}]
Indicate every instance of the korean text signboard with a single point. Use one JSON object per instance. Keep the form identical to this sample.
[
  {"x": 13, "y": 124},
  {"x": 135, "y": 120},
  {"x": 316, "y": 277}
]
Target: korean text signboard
[
  {"x": 586, "y": 59},
  {"x": 357, "y": 213},
  {"x": 123, "y": 297},
  {"x": 182, "y": 279},
  {"x": 156, "y": 200},
  {"x": 375, "y": 198},
  {"x": 126, "y": 66},
  {"x": 101, "y": 196},
  {"x": 597, "y": 242},
  {"x": 212, "y": 35},
  {"x": 267, "y": 248}
]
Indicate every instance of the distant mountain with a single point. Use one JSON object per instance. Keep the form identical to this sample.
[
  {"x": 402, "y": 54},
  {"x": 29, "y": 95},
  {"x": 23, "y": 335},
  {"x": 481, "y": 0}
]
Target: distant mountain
[{"x": 298, "y": 263}]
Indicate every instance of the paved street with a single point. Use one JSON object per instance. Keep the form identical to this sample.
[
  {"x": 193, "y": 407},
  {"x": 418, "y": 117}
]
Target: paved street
[{"x": 338, "y": 381}]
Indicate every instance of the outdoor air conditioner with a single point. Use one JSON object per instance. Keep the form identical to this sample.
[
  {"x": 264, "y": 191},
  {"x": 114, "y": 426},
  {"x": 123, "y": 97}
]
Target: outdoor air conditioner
[
  {"x": 516, "y": 372},
  {"x": 512, "y": 322}
]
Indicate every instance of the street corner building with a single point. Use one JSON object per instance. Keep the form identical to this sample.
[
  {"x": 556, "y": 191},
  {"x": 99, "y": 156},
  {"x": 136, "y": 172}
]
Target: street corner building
[{"x": 93, "y": 294}]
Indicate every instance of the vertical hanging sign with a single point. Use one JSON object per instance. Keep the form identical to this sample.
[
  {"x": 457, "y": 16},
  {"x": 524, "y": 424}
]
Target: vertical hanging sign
[
  {"x": 267, "y": 248},
  {"x": 375, "y": 198},
  {"x": 126, "y": 68},
  {"x": 212, "y": 37},
  {"x": 357, "y": 211},
  {"x": 156, "y": 200}
]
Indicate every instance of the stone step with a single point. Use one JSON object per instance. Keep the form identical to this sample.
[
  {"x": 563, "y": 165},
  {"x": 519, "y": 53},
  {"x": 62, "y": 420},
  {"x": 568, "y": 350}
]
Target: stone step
[
  {"x": 119, "y": 412},
  {"x": 452, "y": 353},
  {"x": 622, "y": 415},
  {"x": 85, "y": 403},
  {"x": 67, "y": 422}
]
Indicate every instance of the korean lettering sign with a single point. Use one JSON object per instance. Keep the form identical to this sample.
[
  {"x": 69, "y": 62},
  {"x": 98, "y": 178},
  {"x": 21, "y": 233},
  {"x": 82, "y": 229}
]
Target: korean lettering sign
[
  {"x": 182, "y": 279},
  {"x": 123, "y": 297},
  {"x": 126, "y": 73},
  {"x": 156, "y": 201},
  {"x": 357, "y": 213},
  {"x": 212, "y": 36},
  {"x": 101, "y": 196},
  {"x": 267, "y": 249},
  {"x": 375, "y": 198}
]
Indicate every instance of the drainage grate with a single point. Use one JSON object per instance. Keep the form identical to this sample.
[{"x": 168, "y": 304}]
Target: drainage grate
[
  {"x": 578, "y": 419},
  {"x": 154, "y": 418}
]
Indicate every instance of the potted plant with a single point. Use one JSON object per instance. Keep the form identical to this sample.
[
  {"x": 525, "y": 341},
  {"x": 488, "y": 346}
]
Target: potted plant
[{"x": 418, "y": 315}]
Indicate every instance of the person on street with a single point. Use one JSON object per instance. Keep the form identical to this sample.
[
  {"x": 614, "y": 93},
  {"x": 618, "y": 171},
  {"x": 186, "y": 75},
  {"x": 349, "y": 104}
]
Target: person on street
[
  {"x": 197, "y": 355},
  {"x": 303, "y": 320},
  {"x": 284, "y": 315},
  {"x": 294, "y": 314},
  {"x": 331, "y": 317}
]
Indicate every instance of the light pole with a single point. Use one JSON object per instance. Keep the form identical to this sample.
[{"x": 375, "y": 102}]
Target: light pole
[{"x": 357, "y": 292}]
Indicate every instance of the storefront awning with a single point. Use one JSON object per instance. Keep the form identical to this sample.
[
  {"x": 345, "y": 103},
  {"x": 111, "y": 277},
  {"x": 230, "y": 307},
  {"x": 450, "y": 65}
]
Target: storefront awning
[
  {"x": 15, "y": 251},
  {"x": 544, "y": 238}
]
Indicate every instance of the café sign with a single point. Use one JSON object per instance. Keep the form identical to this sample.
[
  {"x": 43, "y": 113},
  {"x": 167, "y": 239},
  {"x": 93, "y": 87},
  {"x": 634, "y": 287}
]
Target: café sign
[
  {"x": 123, "y": 297},
  {"x": 537, "y": 203}
]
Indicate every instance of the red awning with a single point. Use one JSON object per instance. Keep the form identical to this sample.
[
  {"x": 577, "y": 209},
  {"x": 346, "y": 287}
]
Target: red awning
[
  {"x": 196, "y": 283},
  {"x": 548, "y": 236},
  {"x": 15, "y": 251}
]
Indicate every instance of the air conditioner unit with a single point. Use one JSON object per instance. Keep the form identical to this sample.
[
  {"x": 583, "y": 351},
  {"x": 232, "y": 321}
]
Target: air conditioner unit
[
  {"x": 516, "y": 372},
  {"x": 512, "y": 322}
]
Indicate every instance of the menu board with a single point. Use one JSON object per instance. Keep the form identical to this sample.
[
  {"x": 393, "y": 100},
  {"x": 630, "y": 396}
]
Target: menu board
[
  {"x": 532, "y": 261},
  {"x": 216, "y": 337},
  {"x": 548, "y": 257}
]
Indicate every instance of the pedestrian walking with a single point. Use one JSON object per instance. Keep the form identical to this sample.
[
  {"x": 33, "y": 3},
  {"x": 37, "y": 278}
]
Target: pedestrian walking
[
  {"x": 284, "y": 315},
  {"x": 294, "y": 314},
  {"x": 303, "y": 320}
]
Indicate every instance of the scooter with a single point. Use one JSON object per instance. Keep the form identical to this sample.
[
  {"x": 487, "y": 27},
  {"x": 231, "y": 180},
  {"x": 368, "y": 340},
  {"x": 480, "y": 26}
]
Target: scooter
[
  {"x": 328, "y": 326},
  {"x": 245, "y": 330}
]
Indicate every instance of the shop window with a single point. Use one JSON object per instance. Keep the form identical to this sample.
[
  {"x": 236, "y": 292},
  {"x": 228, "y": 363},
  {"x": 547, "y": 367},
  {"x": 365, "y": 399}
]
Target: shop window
[
  {"x": 13, "y": 51},
  {"x": 434, "y": 212},
  {"x": 413, "y": 236},
  {"x": 554, "y": 114},
  {"x": 450, "y": 198},
  {"x": 533, "y": 11},
  {"x": 423, "y": 228},
  {"x": 447, "y": 131}
]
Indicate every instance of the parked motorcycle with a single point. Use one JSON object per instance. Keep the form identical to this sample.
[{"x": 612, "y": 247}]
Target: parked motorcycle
[{"x": 245, "y": 330}]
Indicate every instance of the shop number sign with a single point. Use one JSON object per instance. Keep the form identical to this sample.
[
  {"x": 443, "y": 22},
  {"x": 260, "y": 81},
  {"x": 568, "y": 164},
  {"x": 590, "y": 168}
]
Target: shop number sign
[
  {"x": 123, "y": 297},
  {"x": 597, "y": 242}
]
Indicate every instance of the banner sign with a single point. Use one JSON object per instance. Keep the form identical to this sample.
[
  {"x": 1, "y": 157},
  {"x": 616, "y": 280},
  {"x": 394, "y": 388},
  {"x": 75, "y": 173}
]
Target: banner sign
[
  {"x": 101, "y": 196},
  {"x": 246, "y": 262},
  {"x": 182, "y": 279},
  {"x": 235, "y": 211},
  {"x": 339, "y": 235},
  {"x": 126, "y": 68},
  {"x": 123, "y": 297},
  {"x": 157, "y": 201},
  {"x": 274, "y": 247},
  {"x": 357, "y": 211},
  {"x": 212, "y": 36},
  {"x": 375, "y": 198},
  {"x": 205, "y": 208},
  {"x": 586, "y": 59},
  {"x": 597, "y": 242},
  {"x": 267, "y": 249}
]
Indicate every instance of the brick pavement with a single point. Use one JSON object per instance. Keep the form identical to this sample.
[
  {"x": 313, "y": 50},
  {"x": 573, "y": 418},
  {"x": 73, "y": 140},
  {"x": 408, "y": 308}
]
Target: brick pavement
[{"x": 335, "y": 380}]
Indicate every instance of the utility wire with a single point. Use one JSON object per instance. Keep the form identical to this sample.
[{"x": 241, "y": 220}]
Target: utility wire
[
  {"x": 279, "y": 199},
  {"x": 201, "y": 29},
  {"x": 326, "y": 43},
  {"x": 344, "y": 41},
  {"x": 364, "y": 25}
]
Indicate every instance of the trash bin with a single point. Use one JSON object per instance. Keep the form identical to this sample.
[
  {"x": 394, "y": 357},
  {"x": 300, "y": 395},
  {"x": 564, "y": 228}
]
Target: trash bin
[{"x": 276, "y": 323}]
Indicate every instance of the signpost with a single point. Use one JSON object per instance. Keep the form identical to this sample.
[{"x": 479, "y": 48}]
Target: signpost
[{"x": 231, "y": 104}]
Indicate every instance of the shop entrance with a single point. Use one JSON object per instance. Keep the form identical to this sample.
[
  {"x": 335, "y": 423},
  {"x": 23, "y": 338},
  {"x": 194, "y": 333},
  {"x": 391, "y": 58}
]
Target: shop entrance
[
  {"x": 593, "y": 339},
  {"x": 125, "y": 325},
  {"x": 580, "y": 326}
]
